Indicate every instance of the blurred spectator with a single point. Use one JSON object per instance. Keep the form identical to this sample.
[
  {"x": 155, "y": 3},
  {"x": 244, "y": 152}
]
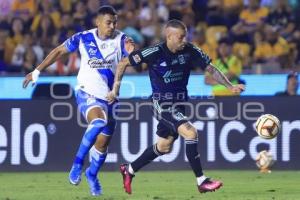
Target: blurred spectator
[
  {"x": 52, "y": 21},
  {"x": 20, "y": 50},
  {"x": 80, "y": 15},
  {"x": 148, "y": 20},
  {"x": 24, "y": 9},
  {"x": 65, "y": 66},
  {"x": 294, "y": 3},
  {"x": 291, "y": 86},
  {"x": 189, "y": 21},
  {"x": 201, "y": 42},
  {"x": 65, "y": 6},
  {"x": 227, "y": 63},
  {"x": 200, "y": 9},
  {"x": 3, "y": 54},
  {"x": 5, "y": 8},
  {"x": 92, "y": 9},
  {"x": 15, "y": 37},
  {"x": 67, "y": 28},
  {"x": 117, "y": 4},
  {"x": 174, "y": 9},
  {"x": 282, "y": 18},
  {"x": 45, "y": 32},
  {"x": 251, "y": 19},
  {"x": 215, "y": 33},
  {"x": 271, "y": 52},
  {"x": 46, "y": 8},
  {"x": 132, "y": 19},
  {"x": 243, "y": 52},
  {"x": 130, "y": 31},
  {"x": 232, "y": 9},
  {"x": 30, "y": 60},
  {"x": 295, "y": 39},
  {"x": 215, "y": 14},
  {"x": 266, "y": 3},
  {"x": 4, "y": 25}
]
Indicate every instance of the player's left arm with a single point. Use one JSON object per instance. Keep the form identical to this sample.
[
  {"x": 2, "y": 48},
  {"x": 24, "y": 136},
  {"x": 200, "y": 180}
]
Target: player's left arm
[
  {"x": 112, "y": 95},
  {"x": 222, "y": 79},
  {"x": 128, "y": 47},
  {"x": 200, "y": 58}
]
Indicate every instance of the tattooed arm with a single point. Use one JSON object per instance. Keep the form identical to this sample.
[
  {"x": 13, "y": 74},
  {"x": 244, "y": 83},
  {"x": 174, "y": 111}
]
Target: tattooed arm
[
  {"x": 222, "y": 79},
  {"x": 117, "y": 81}
]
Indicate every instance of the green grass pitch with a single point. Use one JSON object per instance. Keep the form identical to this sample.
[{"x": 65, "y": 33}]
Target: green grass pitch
[{"x": 160, "y": 185}]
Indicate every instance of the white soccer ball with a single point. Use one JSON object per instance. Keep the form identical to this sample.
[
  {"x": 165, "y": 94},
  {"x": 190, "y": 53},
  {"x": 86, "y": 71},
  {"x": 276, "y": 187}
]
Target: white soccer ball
[
  {"x": 267, "y": 126},
  {"x": 264, "y": 160}
]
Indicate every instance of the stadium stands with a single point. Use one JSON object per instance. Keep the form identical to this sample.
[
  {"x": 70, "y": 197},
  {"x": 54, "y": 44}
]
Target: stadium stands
[{"x": 37, "y": 26}]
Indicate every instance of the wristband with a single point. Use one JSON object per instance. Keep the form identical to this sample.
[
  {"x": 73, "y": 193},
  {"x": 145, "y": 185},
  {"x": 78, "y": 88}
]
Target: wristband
[{"x": 35, "y": 75}]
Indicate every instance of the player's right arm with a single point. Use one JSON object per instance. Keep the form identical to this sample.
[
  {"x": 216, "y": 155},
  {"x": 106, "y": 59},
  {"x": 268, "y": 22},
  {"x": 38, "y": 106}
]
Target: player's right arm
[
  {"x": 68, "y": 46},
  {"x": 136, "y": 58},
  {"x": 54, "y": 55}
]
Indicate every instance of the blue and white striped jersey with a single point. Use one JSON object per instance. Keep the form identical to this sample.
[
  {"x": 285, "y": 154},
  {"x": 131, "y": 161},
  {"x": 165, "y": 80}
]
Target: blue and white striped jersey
[{"x": 99, "y": 59}]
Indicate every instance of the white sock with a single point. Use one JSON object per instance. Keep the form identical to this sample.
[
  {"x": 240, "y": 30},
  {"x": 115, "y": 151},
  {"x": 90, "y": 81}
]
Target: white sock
[
  {"x": 130, "y": 169},
  {"x": 99, "y": 152},
  {"x": 201, "y": 179},
  {"x": 95, "y": 153}
]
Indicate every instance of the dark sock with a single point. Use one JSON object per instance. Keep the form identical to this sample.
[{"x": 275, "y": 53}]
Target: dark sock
[
  {"x": 147, "y": 156},
  {"x": 193, "y": 156}
]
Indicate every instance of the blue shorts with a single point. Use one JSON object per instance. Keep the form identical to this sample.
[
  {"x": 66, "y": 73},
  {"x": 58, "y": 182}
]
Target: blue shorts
[{"x": 86, "y": 102}]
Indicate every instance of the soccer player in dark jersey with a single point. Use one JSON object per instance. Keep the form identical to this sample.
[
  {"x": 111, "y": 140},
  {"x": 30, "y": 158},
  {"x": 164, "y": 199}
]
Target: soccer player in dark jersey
[{"x": 170, "y": 64}]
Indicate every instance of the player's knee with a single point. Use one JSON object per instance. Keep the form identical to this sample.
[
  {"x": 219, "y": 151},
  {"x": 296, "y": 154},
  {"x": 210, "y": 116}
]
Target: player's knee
[
  {"x": 100, "y": 147},
  {"x": 164, "y": 148},
  {"x": 98, "y": 123},
  {"x": 191, "y": 134},
  {"x": 96, "y": 150},
  {"x": 188, "y": 131}
]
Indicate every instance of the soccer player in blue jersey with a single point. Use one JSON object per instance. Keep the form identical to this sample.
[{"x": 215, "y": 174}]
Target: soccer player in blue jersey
[
  {"x": 101, "y": 49},
  {"x": 169, "y": 64}
]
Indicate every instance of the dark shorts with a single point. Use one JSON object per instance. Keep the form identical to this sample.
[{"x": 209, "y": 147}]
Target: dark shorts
[{"x": 169, "y": 118}]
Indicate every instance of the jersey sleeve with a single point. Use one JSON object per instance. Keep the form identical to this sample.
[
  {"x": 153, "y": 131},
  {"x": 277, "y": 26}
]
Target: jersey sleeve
[
  {"x": 124, "y": 39},
  {"x": 72, "y": 43},
  {"x": 143, "y": 56},
  {"x": 200, "y": 58}
]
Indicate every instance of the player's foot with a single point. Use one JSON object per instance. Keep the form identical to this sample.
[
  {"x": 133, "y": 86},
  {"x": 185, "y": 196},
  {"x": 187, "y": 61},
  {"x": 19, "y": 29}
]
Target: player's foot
[
  {"x": 75, "y": 174},
  {"x": 95, "y": 187},
  {"x": 209, "y": 186},
  {"x": 127, "y": 178}
]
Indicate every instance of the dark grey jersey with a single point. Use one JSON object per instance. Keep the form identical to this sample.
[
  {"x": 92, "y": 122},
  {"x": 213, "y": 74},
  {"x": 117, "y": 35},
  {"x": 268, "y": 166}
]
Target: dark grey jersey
[{"x": 169, "y": 72}]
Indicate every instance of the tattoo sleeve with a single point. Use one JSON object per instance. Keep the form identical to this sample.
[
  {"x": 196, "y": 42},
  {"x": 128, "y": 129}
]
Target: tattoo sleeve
[{"x": 218, "y": 75}]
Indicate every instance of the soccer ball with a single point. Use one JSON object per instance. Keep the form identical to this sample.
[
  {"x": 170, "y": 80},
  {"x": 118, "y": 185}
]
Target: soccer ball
[
  {"x": 264, "y": 160},
  {"x": 267, "y": 126}
]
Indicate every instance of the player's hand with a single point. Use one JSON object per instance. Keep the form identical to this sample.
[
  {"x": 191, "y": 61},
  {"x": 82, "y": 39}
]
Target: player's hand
[
  {"x": 129, "y": 45},
  {"x": 31, "y": 77},
  {"x": 237, "y": 89},
  {"x": 111, "y": 97}
]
